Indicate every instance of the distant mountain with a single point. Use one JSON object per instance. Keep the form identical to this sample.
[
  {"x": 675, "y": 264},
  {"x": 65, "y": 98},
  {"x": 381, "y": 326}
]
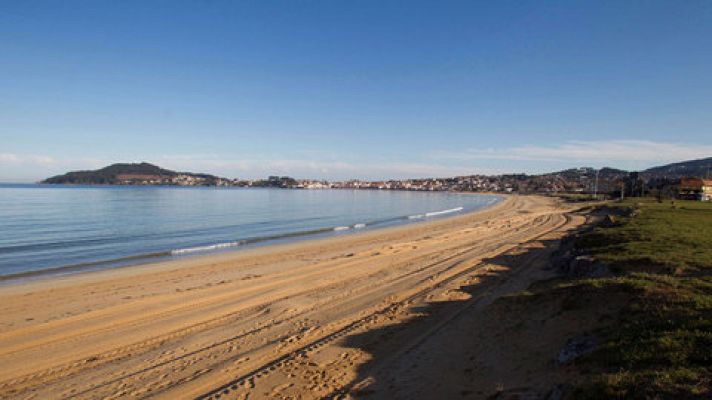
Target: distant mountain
[
  {"x": 699, "y": 168},
  {"x": 569, "y": 179},
  {"x": 142, "y": 173}
]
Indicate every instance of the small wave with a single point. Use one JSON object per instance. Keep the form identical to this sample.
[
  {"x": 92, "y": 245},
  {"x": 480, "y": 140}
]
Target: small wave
[
  {"x": 359, "y": 226},
  {"x": 417, "y": 216},
  {"x": 434, "y": 213},
  {"x": 341, "y": 228},
  {"x": 216, "y": 246}
]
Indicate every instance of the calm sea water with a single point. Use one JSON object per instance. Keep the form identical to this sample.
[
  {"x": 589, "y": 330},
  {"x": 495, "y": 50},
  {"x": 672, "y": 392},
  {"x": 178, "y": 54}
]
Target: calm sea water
[{"x": 64, "y": 229}]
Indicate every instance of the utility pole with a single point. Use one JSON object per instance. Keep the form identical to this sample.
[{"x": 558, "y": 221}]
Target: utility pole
[{"x": 595, "y": 186}]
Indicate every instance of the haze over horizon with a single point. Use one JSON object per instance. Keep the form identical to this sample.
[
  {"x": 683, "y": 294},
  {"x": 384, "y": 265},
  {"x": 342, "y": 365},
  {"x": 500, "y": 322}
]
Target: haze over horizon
[{"x": 367, "y": 90}]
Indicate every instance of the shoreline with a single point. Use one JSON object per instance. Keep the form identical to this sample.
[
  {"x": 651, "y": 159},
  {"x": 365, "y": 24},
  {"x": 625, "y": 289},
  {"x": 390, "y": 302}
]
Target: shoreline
[
  {"x": 143, "y": 260},
  {"x": 185, "y": 328}
]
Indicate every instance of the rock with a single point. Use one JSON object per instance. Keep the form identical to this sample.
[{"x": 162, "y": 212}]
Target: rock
[
  {"x": 557, "y": 392},
  {"x": 562, "y": 256},
  {"x": 575, "y": 348},
  {"x": 586, "y": 266},
  {"x": 609, "y": 220}
]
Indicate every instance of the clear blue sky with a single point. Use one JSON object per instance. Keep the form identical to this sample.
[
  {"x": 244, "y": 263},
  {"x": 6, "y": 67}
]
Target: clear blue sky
[{"x": 336, "y": 89}]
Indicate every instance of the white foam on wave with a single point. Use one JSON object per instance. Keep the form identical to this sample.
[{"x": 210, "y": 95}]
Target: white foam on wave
[
  {"x": 452, "y": 210},
  {"x": 210, "y": 247},
  {"x": 219, "y": 246}
]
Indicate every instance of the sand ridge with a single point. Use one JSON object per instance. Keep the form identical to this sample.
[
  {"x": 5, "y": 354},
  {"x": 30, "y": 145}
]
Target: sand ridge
[{"x": 264, "y": 323}]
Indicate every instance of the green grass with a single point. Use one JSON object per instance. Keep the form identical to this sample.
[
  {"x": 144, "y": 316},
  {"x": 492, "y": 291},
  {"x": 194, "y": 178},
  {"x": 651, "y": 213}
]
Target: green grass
[
  {"x": 674, "y": 236},
  {"x": 660, "y": 345}
]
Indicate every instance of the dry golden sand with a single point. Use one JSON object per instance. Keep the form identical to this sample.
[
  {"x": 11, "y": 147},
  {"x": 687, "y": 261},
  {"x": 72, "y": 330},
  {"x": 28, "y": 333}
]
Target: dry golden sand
[{"x": 314, "y": 319}]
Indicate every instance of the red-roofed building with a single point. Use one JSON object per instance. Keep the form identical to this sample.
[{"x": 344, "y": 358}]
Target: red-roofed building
[{"x": 695, "y": 189}]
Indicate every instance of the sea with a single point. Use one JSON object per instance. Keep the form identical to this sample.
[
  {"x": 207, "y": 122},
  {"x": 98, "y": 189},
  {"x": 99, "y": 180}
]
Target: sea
[{"x": 51, "y": 230}]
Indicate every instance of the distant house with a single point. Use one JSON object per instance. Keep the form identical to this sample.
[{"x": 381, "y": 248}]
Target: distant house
[
  {"x": 695, "y": 189},
  {"x": 137, "y": 178}
]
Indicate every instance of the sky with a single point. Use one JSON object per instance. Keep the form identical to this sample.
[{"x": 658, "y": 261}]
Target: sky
[{"x": 357, "y": 89}]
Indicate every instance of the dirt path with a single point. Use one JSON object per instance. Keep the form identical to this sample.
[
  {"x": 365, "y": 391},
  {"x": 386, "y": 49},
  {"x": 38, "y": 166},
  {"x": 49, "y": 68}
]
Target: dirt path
[{"x": 302, "y": 320}]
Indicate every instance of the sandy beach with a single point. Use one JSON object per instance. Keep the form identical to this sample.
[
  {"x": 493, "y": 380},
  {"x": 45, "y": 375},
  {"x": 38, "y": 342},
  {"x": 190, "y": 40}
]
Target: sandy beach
[{"x": 322, "y": 318}]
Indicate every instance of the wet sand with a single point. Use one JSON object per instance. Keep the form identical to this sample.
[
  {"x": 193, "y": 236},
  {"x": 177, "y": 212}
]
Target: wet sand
[{"x": 303, "y": 320}]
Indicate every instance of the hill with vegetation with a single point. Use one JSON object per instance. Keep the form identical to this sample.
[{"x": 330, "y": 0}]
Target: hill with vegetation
[
  {"x": 124, "y": 173},
  {"x": 573, "y": 180},
  {"x": 696, "y": 168},
  {"x": 700, "y": 168}
]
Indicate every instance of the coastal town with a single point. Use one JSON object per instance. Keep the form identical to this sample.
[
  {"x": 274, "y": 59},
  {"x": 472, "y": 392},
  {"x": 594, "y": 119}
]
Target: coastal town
[
  {"x": 575, "y": 180},
  {"x": 688, "y": 180},
  {"x": 605, "y": 182}
]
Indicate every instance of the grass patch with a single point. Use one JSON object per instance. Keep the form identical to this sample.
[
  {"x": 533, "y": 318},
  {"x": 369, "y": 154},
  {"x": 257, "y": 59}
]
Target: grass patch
[
  {"x": 670, "y": 237},
  {"x": 660, "y": 346}
]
